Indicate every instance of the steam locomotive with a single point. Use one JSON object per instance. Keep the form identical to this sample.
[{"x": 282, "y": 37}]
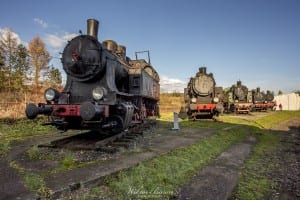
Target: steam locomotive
[
  {"x": 262, "y": 101},
  {"x": 202, "y": 98},
  {"x": 238, "y": 99},
  {"x": 104, "y": 88}
]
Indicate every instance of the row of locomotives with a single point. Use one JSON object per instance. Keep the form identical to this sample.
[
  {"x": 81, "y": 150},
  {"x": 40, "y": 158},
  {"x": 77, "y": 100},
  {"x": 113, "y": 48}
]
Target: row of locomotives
[
  {"x": 237, "y": 99},
  {"x": 202, "y": 98},
  {"x": 262, "y": 101},
  {"x": 105, "y": 90}
]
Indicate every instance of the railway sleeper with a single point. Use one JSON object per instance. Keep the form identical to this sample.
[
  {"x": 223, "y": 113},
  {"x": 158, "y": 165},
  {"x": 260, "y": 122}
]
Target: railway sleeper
[{"x": 126, "y": 145}]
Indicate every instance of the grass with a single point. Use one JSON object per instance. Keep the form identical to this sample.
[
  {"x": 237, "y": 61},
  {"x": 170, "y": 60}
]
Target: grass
[
  {"x": 161, "y": 177},
  {"x": 21, "y": 129},
  {"x": 33, "y": 182},
  {"x": 256, "y": 181},
  {"x": 275, "y": 118},
  {"x": 12, "y": 130},
  {"x": 156, "y": 178},
  {"x": 68, "y": 162},
  {"x": 36, "y": 183}
]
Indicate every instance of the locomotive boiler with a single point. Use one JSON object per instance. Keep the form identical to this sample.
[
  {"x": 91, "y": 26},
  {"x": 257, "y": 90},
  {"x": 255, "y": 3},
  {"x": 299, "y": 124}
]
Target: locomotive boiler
[
  {"x": 238, "y": 99},
  {"x": 104, "y": 88},
  {"x": 202, "y": 97}
]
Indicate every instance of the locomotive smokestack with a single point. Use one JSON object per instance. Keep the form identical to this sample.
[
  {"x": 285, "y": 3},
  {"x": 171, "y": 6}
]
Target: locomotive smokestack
[
  {"x": 92, "y": 28},
  {"x": 202, "y": 70}
]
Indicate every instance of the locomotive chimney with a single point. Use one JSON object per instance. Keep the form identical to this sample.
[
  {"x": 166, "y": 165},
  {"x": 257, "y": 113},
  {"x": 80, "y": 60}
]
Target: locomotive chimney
[
  {"x": 92, "y": 28},
  {"x": 202, "y": 70}
]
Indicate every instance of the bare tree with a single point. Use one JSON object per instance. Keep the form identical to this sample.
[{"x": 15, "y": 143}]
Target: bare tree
[{"x": 39, "y": 57}]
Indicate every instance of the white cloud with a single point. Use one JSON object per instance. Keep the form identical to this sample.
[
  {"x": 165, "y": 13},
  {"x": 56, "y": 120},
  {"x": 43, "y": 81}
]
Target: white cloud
[
  {"x": 3, "y": 34},
  {"x": 57, "y": 42},
  {"x": 169, "y": 85},
  {"x": 69, "y": 36},
  {"x": 40, "y": 22}
]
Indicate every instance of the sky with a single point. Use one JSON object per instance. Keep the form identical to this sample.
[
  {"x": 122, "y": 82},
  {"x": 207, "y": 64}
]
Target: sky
[{"x": 255, "y": 41}]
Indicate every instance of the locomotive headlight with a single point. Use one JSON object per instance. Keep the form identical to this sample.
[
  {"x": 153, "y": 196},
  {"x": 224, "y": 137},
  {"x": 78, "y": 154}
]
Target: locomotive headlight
[
  {"x": 194, "y": 100},
  {"x": 216, "y": 100},
  {"x": 98, "y": 93},
  {"x": 51, "y": 94}
]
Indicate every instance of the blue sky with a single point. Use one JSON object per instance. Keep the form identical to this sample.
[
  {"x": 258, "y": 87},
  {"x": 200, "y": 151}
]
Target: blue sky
[{"x": 255, "y": 41}]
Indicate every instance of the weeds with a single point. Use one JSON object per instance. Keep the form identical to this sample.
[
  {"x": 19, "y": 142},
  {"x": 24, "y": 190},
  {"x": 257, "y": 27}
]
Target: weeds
[
  {"x": 16, "y": 130},
  {"x": 34, "y": 182},
  {"x": 256, "y": 181},
  {"x": 68, "y": 162}
]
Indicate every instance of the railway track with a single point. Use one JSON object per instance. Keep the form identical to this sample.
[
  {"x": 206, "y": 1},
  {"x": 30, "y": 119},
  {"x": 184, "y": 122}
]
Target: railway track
[{"x": 101, "y": 141}]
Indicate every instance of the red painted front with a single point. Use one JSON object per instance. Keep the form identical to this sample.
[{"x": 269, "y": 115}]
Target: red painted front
[
  {"x": 62, "y": 110},
  {"x": 261, "y": 105},
  {"x": 271, "y": 104},
  {"x": 206, "y": 107}
]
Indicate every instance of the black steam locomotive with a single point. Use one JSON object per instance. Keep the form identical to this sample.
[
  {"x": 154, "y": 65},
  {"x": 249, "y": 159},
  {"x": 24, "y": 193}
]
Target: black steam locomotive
[
  {"x": 238, "y": 99},
  {"x": 262, "y": 101},
  {"x": 202, "y": 98},
  {"x": 104, "y": 88}
]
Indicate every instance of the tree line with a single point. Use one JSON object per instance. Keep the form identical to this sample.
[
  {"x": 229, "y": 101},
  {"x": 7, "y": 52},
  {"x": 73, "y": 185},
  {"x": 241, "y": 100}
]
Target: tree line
[{"x": 23, "y": 68}]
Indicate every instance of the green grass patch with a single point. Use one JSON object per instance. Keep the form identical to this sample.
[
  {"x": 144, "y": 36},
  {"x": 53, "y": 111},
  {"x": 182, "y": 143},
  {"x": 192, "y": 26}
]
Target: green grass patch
[
  {"x": 256, "y": 182},
  {"x": 204, "y": 124},
  {"x": 33, "y": 182},
  {"x": 233, "y": 120},
  {"x": 275, "y": 118},
  {"x": 15, "y": 130},
  {"x": 68, "y": 162},
  {"x": 160, "y": 177}
]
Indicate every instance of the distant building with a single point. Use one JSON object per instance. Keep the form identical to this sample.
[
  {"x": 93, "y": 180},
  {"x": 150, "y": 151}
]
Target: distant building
[{"x": 288, "y": 101}]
